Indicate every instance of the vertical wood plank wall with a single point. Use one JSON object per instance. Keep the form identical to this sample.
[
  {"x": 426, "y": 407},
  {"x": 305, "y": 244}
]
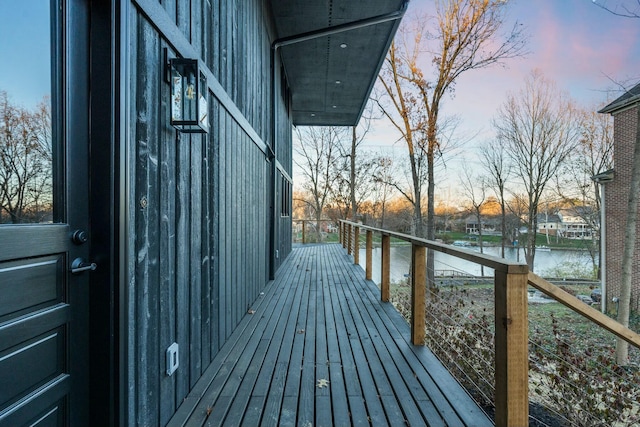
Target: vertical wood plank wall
[{"x": 199, "y": 204}]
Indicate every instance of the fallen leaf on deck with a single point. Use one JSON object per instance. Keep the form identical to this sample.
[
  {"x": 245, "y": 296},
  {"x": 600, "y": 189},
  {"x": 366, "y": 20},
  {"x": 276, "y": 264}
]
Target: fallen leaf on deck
[
  {"x": 251, "y": 311},
  {"x": 322, "y": 383},
  {"x": 300, "y": 331}
]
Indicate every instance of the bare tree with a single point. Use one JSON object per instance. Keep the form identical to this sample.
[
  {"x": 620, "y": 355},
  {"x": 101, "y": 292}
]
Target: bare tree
[
  {"x": 475, "y": 190},
  {"x": 382, "y": 176},
  {"x": 539, "y": 129},
  {"x": 302, "y": 206},
  {"x": 418, "y": 74},
  {"x": 355, "y": 141},
  {"x": 593, "y": 155},
  {"x": 518, "y": 208},
  {"x": 445, "y": 213},
  {"x": 353, "y": 183},
  {"x": 399, "y": 215},
  {"x": 317, "y": 150},
  {"x": 353, "y": 170},
  {"x": 468, "y": 36},
  {"x": 406, "y": 116},
  {"x": 25, "y": 161},
  {"x": 625, "y": 9},
  {"x": 495, "y": 162}
]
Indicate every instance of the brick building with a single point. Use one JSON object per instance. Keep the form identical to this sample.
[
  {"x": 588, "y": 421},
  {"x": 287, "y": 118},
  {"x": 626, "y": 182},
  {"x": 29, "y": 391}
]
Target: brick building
[{"x": 625, "y": 113}]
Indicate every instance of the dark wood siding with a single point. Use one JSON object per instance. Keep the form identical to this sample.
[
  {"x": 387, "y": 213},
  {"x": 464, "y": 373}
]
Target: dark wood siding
[{"x": 199, "y": 205}]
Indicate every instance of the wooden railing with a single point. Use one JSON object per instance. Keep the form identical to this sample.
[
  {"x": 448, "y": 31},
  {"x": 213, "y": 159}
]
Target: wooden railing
[
  {"x": 305, "y": 226},
  {"x": 511, "y": 281},
  {"x": 584, "y": 310}
]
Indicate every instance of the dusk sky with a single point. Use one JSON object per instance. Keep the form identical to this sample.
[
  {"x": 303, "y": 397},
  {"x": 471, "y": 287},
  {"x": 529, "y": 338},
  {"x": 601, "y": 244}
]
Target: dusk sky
[
  {"x": 575, "y": 43},
  {"x": 25, "y": 29}
]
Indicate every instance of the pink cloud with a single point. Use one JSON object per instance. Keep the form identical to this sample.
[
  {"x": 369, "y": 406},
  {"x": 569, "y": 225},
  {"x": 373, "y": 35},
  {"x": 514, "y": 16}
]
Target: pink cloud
[
  {"x": 547, "y": 33},
  {"x": 573, "y": 42}
]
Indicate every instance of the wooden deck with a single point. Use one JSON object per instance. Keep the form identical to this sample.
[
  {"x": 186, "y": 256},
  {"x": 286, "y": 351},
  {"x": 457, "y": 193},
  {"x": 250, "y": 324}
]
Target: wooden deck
[{"x": 320, "y": 349}]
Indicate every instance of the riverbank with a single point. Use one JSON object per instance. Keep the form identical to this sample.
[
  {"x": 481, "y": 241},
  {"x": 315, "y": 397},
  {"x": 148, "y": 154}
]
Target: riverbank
[
  {"x": 468, "y": 239},
  {"x": 496, "y": 240},
  {"x": 555, "y": 263}
]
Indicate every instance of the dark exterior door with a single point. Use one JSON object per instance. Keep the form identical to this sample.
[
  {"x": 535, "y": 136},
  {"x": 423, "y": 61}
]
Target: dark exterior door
[{"x": 44, "y": 231}]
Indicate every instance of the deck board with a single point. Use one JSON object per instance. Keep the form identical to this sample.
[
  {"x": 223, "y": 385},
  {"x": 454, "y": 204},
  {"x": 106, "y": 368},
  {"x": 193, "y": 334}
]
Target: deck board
[{"x": 320, "y": 320}]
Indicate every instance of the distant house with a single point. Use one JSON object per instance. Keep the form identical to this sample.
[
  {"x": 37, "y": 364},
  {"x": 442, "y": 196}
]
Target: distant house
[
  {"x": 472, "y": 226},
  {"x": 573, "y": 223},
  {"x": 549, "y": 224},
  {"x": 616, "y": 190},
  {"x": 576, "y": 222}
]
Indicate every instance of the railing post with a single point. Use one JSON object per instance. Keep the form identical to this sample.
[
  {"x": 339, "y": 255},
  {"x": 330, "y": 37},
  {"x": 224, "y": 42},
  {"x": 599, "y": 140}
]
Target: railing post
[
  {"x": 356, "y": 245},
  {"x": 367, "y": 270},
  {"x": 385, "y": 269},
  {"x": 512, "y": 349},
  {"x": 418, "y": 293},
  {"x": 349, "y": 227},
  {"x": 344, "y": 235},
  {"x": 304, "y": 222}
]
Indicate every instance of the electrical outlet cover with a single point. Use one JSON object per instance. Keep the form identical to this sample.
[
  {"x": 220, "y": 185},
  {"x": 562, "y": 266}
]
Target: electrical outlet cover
[{"x": 173, "y": 360}]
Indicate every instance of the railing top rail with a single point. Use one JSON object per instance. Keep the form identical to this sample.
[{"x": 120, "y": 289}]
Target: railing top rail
[
  {"x": 498, "y": 264},
  {"x": 534, "y": 280},
  {"x": 583, "y": 309}
]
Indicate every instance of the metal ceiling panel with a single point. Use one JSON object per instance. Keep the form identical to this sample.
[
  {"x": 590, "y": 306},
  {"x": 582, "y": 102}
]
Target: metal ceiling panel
[{"x": 331, "y": 73}]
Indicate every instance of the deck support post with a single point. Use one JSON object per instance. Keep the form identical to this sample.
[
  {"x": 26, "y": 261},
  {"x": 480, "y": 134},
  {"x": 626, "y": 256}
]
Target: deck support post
[
  {"x": 304, "y": 222},
  {"x": 369, "y": 247},
  {"x": 512, "y": 351},
  {"x": 418, "y": 293},
  {"x": 349, "y": 227},
  {"x": 341, "y": 228},
  {"x": 385, "y": 268},
  {"x": 356, "y": 245}
]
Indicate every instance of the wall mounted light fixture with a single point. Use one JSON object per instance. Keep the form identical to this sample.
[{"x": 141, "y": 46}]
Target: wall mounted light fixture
[{"x": 189, "y": 106}]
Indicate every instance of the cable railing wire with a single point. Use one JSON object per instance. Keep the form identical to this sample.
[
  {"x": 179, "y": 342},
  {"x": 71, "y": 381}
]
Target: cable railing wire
[
  {"x": 477, "y": 374},
  {"x": 574, "y": 371}
]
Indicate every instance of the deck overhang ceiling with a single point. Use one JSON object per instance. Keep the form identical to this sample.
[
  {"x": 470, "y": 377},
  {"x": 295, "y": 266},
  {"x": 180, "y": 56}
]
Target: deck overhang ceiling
[{"x": 332, "y": 51}]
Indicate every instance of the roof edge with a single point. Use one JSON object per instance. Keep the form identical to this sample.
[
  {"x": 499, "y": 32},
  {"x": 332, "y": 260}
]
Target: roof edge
[
  {"x": 392, "y": 35},
  {"x": 630, "y": 97},
  {"x": 604, "y": 177}
]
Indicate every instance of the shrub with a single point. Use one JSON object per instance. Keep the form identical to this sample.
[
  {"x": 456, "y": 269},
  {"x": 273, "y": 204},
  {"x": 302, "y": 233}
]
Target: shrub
[{"x": 573, "y": 270}]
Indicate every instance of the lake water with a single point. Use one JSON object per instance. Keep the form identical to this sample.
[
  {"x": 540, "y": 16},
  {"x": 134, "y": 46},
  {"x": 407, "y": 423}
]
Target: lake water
[{"x": 444, "y": 264}]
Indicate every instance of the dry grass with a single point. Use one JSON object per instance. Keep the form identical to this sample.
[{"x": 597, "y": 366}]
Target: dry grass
[{"x": 571, "y": 359}]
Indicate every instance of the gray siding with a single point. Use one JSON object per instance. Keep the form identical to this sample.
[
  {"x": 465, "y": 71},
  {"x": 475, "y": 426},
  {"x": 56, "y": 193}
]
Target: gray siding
[{"x": 200, "y": 205}]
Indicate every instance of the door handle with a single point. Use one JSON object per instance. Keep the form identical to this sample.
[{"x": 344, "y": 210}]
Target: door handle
[{"x": 79, "y": 265}]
